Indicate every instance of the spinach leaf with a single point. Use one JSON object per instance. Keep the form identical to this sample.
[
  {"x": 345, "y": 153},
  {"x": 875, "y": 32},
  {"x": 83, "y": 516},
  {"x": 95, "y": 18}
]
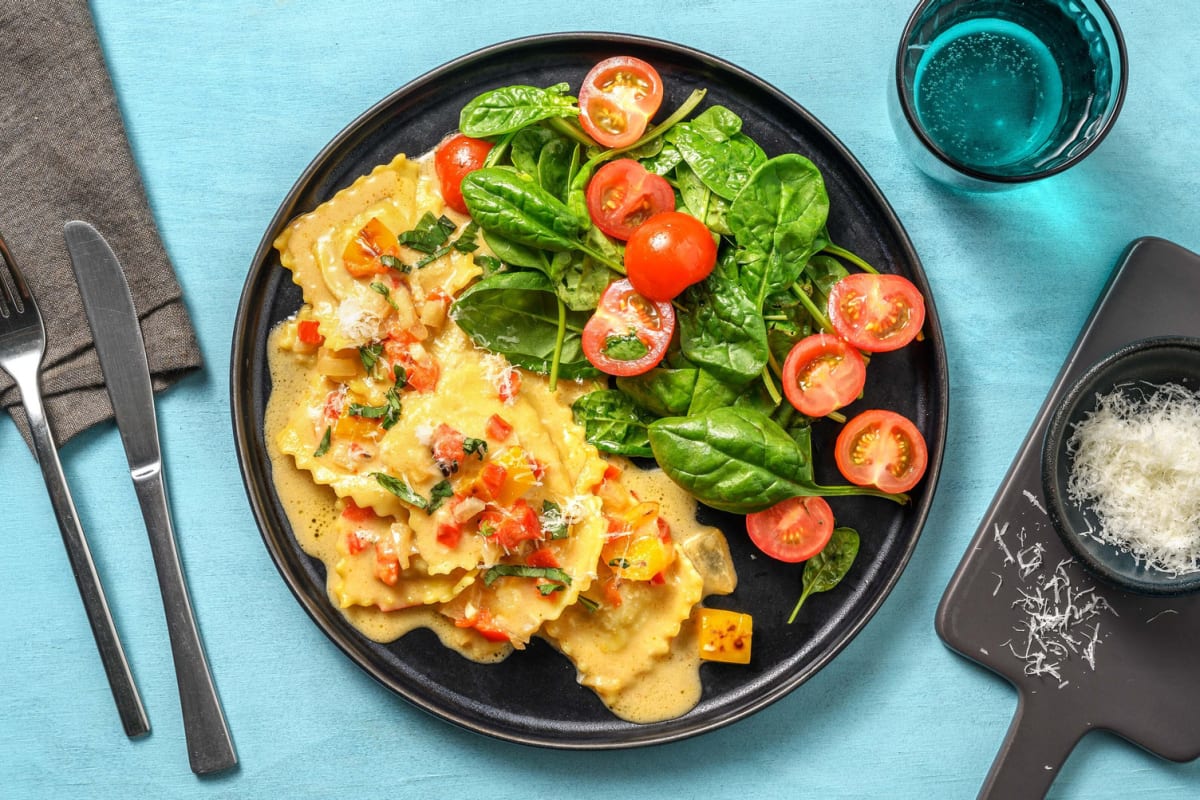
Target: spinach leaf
[
  {"x": 504, "y": 202},
  {"x": 724, "y": 331},
  {"x": 666, "y": 159},
  {"x": 516, "y": 314},
  {"x": 711, "y": 392},
  {"x": 613, "y": 422},
  {"x": 739, "y": 460},
  {"x": 700, "y": 201},
  {"x": 527, "y": 146},
  {"x": 554, "y": 167},
  {"x": 777, "y": 219},
  {"x": 662, "y": 391},
  {"x": 713, "y": 146},
  {"x": 583, "y": 280},
  {"x": 824, "y": 271},
  {"x": 511, "y": 108},
  {"x": 825, "y": 570},
  {"x": 518, "y": 255}
]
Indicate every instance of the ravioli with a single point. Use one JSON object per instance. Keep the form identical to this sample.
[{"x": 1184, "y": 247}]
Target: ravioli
[
  {"x": 612, "y": 646},
  {"x": 462, "y": 495}
]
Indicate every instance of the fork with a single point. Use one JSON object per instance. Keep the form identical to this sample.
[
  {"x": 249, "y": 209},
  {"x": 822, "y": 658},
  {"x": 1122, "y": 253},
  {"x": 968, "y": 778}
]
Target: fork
[{"x": 22, "y": 347}]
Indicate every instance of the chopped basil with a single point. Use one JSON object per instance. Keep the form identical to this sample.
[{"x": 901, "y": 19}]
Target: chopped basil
[
  {"x": 370, "y": 412},
  {"x": 401, "y": 490},
  {"x": 465, "y": 243},
  {"x": 401, "y": 375},
  {"x": 388, "y": 413},
  {"x": 553, "y": 574},
  {"x": 472, "y": 446},
  {"x": 369, "y": 356},
  {"x": 554, "y": 524},
  {"x": 620, "y": 563},
  {"x": 386, "y": 292},
  {"x": 430, "y": 234},
  {"x": 391, "y": 262},
  {"x": 323, "y": 447},
  {"x": 440, "y": 493},
  {"x": 589, "y": 603}
]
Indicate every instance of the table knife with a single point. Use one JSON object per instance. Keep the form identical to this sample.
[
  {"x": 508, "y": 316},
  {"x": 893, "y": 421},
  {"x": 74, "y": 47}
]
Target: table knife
[{"x": 122, "y": 352}]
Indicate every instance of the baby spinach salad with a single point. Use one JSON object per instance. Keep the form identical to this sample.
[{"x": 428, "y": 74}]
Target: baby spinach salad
[{"x": 698, "y": 274}]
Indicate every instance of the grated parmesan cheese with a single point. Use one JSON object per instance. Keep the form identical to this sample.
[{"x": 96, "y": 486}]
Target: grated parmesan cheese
[
  {"x": 1059, "y": 619},
  {"x": 357, "y": 321},
  {"x": 500, "y": 374},
  {"x": 1136, "y": 462}
]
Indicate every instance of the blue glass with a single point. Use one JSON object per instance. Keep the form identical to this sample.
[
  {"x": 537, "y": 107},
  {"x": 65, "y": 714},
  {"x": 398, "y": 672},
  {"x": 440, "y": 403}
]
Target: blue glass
[{"x": 994, "y": 93}]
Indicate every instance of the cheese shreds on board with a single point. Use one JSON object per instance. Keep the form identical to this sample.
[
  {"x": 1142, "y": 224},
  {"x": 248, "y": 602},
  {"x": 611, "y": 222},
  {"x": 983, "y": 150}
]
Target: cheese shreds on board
[
  {"x": 1136, "y": 463},
  {"x": 1059, "y": 618}
]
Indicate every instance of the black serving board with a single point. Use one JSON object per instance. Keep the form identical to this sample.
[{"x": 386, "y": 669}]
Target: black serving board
[{"x": 1141, "y": 681}]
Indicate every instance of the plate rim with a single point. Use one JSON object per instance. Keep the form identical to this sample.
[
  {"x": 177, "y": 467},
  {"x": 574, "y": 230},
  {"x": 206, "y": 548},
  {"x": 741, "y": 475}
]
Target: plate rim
[{"x": 246, "y": 439}]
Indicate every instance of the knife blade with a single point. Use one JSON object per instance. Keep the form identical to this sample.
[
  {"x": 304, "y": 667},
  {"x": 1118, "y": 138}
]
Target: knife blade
[{"x": 122, "y": 353}]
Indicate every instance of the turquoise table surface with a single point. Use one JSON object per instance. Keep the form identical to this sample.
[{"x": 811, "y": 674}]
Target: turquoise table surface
[{"x": 225, "y": 105}]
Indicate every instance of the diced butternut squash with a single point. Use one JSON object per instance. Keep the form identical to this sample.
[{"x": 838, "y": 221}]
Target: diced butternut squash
[
  {"x": 725, "y": 635},
  {"x": 361, "y": 256},
  {"x": 520, "y": 475}
]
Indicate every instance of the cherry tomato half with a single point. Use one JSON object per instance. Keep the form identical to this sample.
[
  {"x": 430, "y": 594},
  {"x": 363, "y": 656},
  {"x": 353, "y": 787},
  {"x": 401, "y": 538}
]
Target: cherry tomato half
[
  {"x": 623, "y": 194},
  {"x": 792, "y": 530},
  {"x": 881, "y": 448},
  {"x": 618, "y": 98},
  {"x": 668, "y": 253},
  {"x": 627, "y": 334},
  {"x": 822, "y": 373},
  {"x": 876, "y": 313},
  {"x": 455, "y": 157}
]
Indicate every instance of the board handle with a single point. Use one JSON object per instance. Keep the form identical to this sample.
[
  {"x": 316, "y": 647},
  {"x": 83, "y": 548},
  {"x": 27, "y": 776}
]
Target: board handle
[{"x": 1039, "y": 740}]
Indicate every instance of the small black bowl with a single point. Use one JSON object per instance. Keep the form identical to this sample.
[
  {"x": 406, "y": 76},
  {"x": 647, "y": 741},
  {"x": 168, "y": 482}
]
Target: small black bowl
[{"x": 1155, "y": 361}]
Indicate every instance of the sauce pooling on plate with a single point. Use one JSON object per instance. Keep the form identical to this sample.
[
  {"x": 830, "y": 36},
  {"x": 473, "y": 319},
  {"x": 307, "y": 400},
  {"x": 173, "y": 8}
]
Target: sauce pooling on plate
[{"x": 444, "y": 488}]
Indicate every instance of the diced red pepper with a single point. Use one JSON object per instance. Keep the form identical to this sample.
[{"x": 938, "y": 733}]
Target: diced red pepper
[
  {"x": 510, "y": 526},
  {"x": 354, "y": 543},
  {"x": 542, "y": 557},
  {"x": 612, "y": 591},
  {"x": 421, "y": 370},
  {"x": 449, "y": 534},
  {"x": 490, "y": 481},
  {"x": 659, "y": 579},
  {"x": 353, "y": 512},
  {"x": 509, "y": 385},
  {"x": 498, "y": 428},
  {"x": 387, "y": 562},
  {"x": 447, "y": 448},
  {"x": 484, "y": 625},
  {"x": 308, "y": 331},
  {"x": 664, "y": 528},
  {"x": 538, "y": 468}
]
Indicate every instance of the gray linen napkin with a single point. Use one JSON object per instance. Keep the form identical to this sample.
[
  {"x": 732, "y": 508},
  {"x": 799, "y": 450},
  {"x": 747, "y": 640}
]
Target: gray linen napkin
[{"x": 63, "y": 156}]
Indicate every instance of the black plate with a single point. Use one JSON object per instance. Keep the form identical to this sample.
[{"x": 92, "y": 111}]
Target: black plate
[{"x": 533, "y": 697}]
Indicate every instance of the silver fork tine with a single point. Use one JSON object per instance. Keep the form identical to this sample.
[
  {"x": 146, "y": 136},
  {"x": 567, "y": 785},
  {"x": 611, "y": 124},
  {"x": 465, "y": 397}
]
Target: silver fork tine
[{"x": 22, "y": 346}]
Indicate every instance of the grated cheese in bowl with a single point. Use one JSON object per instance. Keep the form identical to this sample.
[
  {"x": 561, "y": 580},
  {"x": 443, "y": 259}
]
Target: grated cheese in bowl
[{"x": 1136, "y": 464}]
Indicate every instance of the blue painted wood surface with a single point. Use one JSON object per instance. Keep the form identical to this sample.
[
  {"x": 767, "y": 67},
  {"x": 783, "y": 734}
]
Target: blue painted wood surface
[{"x": 227, "y": 103}]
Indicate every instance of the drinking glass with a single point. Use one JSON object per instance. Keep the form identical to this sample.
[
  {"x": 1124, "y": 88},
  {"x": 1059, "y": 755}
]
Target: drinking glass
[{"x": 991, "y": 94}]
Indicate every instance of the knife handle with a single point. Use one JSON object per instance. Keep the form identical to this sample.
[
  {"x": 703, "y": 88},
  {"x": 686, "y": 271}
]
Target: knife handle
[
  {"x": 112, "y": 654},
  {"x": 210, "y": 748}
]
